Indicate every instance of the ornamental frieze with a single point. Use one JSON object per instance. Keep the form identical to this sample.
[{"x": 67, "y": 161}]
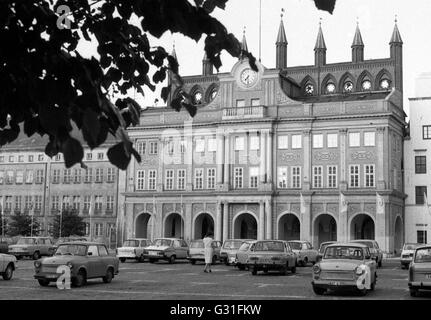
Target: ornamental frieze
[
  {"x": 138, "y": 208},
  {"x": 295, "y": 207},
  {"x": 288, "y": 157},
  {"x": 198, "y": 207},
  {"x": 362, "y": 155},
  {"x": 317, "y": 208},
  {"x": 281, "y": 208},
  {"x": 236, "y": 208},
  {"x": 325, "y": 156},
  {"x": 168, "y": 208},
  {"x": 353, "y": 208},
  {"x": 370, "y": 208},
  {"x": 332, "y": 207}
]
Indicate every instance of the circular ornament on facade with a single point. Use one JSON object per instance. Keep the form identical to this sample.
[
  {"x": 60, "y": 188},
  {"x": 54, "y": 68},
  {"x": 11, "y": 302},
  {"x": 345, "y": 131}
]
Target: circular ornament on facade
[
  {"x": 197, "y": 97},
  {"x": 309, "y": 89},
  {"x": 366, "y": 85},
  {"x": 384, "y": 84},
  {"x": 330, "y": 88},
  {"x": 348, "y": 86},
  {"x": 213, "y": 93}
]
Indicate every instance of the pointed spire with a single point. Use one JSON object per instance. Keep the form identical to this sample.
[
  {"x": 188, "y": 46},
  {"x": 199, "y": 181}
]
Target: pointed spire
[
  {"x": 357, "y": 40},
  {"x": 396, "y": 36},
  {"x": 281, "y": 46},
  {"x": 281, "y": 38},
  {"x": 174, "y": 52},
  {"x": 207, "y": 67},
  {"x": 320, "y": 42},
  {"x": 244, "y": 46}
]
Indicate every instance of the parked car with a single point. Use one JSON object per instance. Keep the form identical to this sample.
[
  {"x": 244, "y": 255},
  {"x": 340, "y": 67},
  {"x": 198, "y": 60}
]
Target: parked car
[
  {"x": 168, "y": 249},
  {"x": 242, "y": 254},
  {"x": 322, "y": 248},
  {"x": 68, "y": 239},
  {"x": 34, "y": 247},
  {"x": 376, "y": 253},
  {"x": 4, "y": 244},
  {"x": 230, "y": 248},
  {"x": 420, "y": 270},
  {"x": 133, "y": 249},
  {"x": 7, "y": 265},
  {"x": 86, "y": 260},
  {"x": 345, "y": 266},
  {"x": 197, "y": 251},
  {"x": 270, "y": 255},
  {"x": 304, "y": 251},
  {"x": 407, "y": 254}
]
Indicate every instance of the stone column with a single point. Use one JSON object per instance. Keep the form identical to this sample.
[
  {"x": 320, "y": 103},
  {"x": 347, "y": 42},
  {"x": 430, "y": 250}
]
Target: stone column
[
  {"x": 262, "y": 170},
  {"x": 225, "y": 220},
  {"x": 261, "y": 222},
  {"x": 380, "y": 169},
  {"x": 269, "y": 157},
  {"x": 227, "y": 160},
  {"x": 382, "y": 225},
  {"x": 306, "y": 185},
  {"x": 160, "y": 173},
  {"x": 342, "y": 225},
  {"x": 159, "y": 228},
  {"x": 220, "y": 156},
  {"x": 218, "y": 227},
  {"x": 188, "y": 221},
  {"x": 188, "y": 157},
  {"x": 306, "y": 221},
  {"x": 343, "y": 157},
  {"x": 268, "y": 212}
]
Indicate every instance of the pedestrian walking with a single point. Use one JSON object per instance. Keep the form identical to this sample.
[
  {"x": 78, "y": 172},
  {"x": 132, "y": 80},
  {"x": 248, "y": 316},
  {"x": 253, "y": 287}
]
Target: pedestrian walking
[{"x": 208, "y": 246}]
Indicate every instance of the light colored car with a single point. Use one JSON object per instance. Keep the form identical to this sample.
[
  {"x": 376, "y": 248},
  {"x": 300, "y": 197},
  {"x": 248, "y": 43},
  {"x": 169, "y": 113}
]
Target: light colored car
[
  {"x": 242, "y": 254},
  {"x": 169, "y": 249},
  {"x": 376, "y": 253},
  {"x": 133, "y": 249},
  {"x": 345, "y": 266},
  {"x": 86, "y": 260},
  {"x": 407, "y": 254},
  {"x": 420, "y": 270},
  {"x": 230, "y": 248},
  {"x": 34, "y": 247},
  {"x": 270, "y": 255},
  {"x": 7, "y": 265},
  {"x": 67, "y": 239},
  {"x": 304, "y": 251},
  {"x": 197, "y": 251}
]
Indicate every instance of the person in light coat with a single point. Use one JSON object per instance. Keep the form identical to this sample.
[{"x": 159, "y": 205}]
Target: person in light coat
[{"x": 208, "y": 246}]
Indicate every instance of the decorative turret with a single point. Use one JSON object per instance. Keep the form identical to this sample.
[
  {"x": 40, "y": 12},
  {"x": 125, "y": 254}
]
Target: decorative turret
[
  {"x": 281, "y": 44},
  {"x": 207, "y": 67},
  {"x": 357, "y": 46},
  {"x": 244, "y": 46},
  {"x": 396, "y": 45},
  {"x": 320, "y": 48}
]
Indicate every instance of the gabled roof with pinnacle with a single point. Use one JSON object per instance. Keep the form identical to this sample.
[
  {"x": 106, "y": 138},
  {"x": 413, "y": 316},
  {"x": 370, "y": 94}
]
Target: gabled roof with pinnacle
[
  {"x": 244, "y": 46},
  {"x": 281, "y": 38},
  {"x": 396, "y": 36},
  {"x": 357, "y": 40},
  {"x": 320, "y": 42}
]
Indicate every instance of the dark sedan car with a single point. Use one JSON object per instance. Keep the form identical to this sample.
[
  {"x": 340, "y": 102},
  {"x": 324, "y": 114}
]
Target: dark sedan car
[{"x": 4, "y": 244}]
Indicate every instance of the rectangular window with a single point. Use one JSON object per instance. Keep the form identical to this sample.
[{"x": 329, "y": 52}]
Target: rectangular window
[
  {"x": 170, "y": 147},
  {"x": 38, "y": 204},
  {"x": 65, "y": 203},
  {"x": 29, "y": 176},
  {"x": 18, "y": 200},
  {"x": 8, "y": 204},
  {"x": 141, "y": 147},
  {"x": 11, "y": 158},
  {"x": 152, "y": 178},
  {"x": 183, "y": 146},
  {"x": 87, "y": 229},
  {"x": 39, "y": 176},
  {"x": 1, "y": 159},
  {"x": 76, "y": 203},
  {"x": 369, "y": 176},
  {"x": 200, "y": 145},
  {"x": 239, "y": 143},
  {"x": 199, "y": 178},
  {"x": 420, "y": 164},
  {"x": 354, "y": 139},
  {"x": 426, "y": 132},
  {"x": 296, "y": 177},
  {"x": 67, "y": 175},
  {"x": 255, "y": 102},
  {"x": 87, "y": 204},
  {"x": 296, "y": 141},
  {"x": 181, "y": 179},
  {"x": 240, "y": 103},
  {"x": 1, "y": 177},
  {"x": 77, "y": 176},
  {"x": 317, "y": 177},
  {"x": 212, "y": 145},
  {"x": 420, "y": 191},
  {"x": 254, "y": 143},
  {"x": 238, "y": 178},
  {"x": 254, "y": 177},
  {"x": 169, "y": 179},
  {"x": 110, "y": 204},
  {"x": 40, "y": 157},
  {"x": 154, "y": 146},
  {"x": 88, "y": 178},
  {"x": 89, "y": 156},
  {"x": 99, "y": 175},
  {"x": 422, "y": 237},
  {"x": 110, "y": 177},
  {"x": 332, "y": 176},
  {"x": 56, "y": 176},
  {"x": 369, "y": 139},
  {"x": 98, "y": 229},
  {"x": 100, "y": 156},
  {"x": 30, "y": 158},
  {"x": 354, "y": 176},
  {"x": 211, "y": 178},
  {"x": 140, "y": 180},
  {"x": 9, "y": 177},
  {"x": 55, "y": 203},
  {"x": 282, "y": 177},
  {"x": 58, "y": 157},
  {"x": 98, "y": 202},
  {"x": 19, "y": 177},
  {"x": 283, "y": 142},
  {"x": 317, "y": 140},
  {"x": 20, "y": 158},
  {"x": 332, "y": 140},
  {"x": 28, "y": 203}
]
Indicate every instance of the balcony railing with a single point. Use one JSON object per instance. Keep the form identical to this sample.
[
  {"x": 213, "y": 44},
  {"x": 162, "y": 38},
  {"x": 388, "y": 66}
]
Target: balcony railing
[{"x": 250, "y": 112}]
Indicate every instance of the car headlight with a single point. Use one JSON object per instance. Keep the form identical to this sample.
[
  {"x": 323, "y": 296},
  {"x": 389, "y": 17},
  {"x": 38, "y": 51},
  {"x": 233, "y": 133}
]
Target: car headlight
[
  {"x": 359, "y": 270},
  {"x": 316, "y": 269},
  {"x": 37, "y": 264},
  {"x": 70, "y": 265}
]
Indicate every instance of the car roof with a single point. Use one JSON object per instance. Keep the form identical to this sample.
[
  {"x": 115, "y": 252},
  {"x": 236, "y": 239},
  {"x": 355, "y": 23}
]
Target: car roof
[
  {"x": 86, "y": 243},
  {"x": 298, "y": 241},
  {"x": 328, "y": 242},
  {"x": 138, "y": 239},
  {"x": 363, "y": 240},
  {"x": 163, "y": 238},
  {"x": 243, "y": 240},
  {"x": 425, "y": 246},
  {"x": 347, "y": 244}
]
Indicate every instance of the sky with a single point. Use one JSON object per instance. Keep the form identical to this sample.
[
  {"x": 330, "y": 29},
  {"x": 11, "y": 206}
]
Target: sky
[{"x": 301, "y": 20}]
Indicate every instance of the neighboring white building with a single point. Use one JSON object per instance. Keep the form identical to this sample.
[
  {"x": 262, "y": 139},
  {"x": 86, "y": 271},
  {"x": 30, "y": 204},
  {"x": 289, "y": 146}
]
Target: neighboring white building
[{"x": 417, "y": 172}]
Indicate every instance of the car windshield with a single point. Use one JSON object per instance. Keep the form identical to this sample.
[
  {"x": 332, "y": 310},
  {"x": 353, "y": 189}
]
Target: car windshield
[
  {"x": 197, "y": 244},
  {"x": 353, "y": 253},
  {"x": 295, "y": 245},
  {"x": 269, "y": 246},
  {"x": 369, "y": 244},
  {"x": 162, "y": 243},
  {"x": 323, "y": 246},
  {"x": 26, "y": 241},
  {"x": 71, "y": 249},
  {"x": 423, "y": 255},
  {"x": 410, "y": 246},
  {"x": 131, "y": 243},
  {"x": 231, "y": 244}
]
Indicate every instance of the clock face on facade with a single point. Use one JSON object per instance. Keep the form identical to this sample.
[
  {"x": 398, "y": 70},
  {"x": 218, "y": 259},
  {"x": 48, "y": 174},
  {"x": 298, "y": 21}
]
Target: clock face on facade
[
  {"x": 309, "y": 89},
  {"x": 348, "y": 86},
  {"x": 248, "y": 77}
]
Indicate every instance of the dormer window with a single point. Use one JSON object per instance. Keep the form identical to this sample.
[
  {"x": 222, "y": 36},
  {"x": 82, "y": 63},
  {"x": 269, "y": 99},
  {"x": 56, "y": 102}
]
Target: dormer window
[{"x": 348, "y": 86}]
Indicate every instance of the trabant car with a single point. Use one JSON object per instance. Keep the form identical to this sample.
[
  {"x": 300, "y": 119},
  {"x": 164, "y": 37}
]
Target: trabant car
[
  {"x": 375, "y": 251},
  {"x": 168, "y": 249},
  {"x": 86, "y": 260},
  {"x": 322, "y": 248},
  {"x": 242, "y": 254},
  {"x": 133, "y": 249},
  {"x": 7, "y": 265},
  {"x": 269, "y": 255},
  {"x": 34, "y": 247},
  {"x": 304, "y": 251},
  {"x": 230, "y": 248},
  {"x": 407, "y": 254},
  {"x": 420, "y": 270},
  {"x": 197, "y": 251},
  {"x": 67, "y": 239},
  {"x": 345, "y": 266}
]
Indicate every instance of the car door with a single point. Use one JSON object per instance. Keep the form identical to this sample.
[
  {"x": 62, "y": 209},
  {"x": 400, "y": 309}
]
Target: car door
[
  {"x": 371, "y": 263},
  {"x": 93, "y": 262},
  {"x": 104, "y": 259},
  {"x": 289, "y": 254},
  {"x": 184, "y": 249},
  {"x": 312, "y": 254}
]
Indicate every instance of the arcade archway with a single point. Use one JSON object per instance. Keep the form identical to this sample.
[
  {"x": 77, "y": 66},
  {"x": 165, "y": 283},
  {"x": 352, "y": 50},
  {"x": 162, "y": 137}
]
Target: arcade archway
[
  {"x": 245, "y": 227},
  {"x": 289, "y": 227}
]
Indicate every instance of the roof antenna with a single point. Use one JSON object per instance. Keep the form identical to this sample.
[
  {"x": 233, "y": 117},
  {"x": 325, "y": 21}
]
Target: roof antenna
[{"x": 260, "y": 30}]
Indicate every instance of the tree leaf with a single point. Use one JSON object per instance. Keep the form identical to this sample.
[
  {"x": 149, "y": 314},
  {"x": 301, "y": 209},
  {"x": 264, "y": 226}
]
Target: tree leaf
[
  {"x": 73, "y": 152},
  {"x": 118, "y": 157}
]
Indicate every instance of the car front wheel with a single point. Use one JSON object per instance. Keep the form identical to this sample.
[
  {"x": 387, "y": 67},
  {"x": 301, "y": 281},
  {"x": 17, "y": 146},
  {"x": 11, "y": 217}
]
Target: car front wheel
[
  {"x": 379, "y": 264},
  {"x": 109, "y": 276},
  {"x": 43, "y": 282},
  {"x": 36, "y": 255},
  {"x": 413, "y": 292},
  {"x": 293, "y": 269},
  {"x": 123, "y": 260},
  {"x": 8, "y": 273},
  {"x": 80, "y": 279},
  {"x": 253, "y": 271},
  {"x": 319, "y": 291},
  {"x": 172, "y": 259}
]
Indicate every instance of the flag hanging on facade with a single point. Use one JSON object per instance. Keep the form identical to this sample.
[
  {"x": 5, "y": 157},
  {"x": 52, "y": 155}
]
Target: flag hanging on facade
[
  {"x": 343, "y": 203},
  {"x": 380, "y": 204},
  {"x": 302, "y": 204}
]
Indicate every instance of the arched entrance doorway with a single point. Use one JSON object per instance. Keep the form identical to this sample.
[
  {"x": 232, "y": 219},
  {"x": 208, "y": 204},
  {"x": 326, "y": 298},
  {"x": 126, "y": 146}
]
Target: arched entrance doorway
[
  {"x": 362, "y": 227},
  {"x": 289, "y": 227},
  {"x": 245, "y": 227},
  {"x": 174, "y": 226},
  {"x": 398, "y": 236},
  {"x": 325, "y": 229},
  {"x": 203, "y": 223},
  {"x": 142, "y": 226}
]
